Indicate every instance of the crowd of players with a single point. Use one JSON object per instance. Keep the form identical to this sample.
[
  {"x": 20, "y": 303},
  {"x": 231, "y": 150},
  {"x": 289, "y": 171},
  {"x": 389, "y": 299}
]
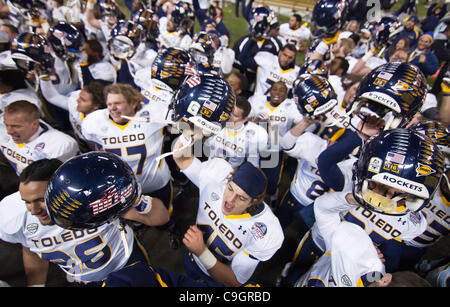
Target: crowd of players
[{"x": 103, "y": 117}]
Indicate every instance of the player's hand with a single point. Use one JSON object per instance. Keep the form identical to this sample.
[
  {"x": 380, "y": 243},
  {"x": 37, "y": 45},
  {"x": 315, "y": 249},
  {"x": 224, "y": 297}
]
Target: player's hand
[
  {"x": 370, "y": 126},
  {"x": 380, "y": 254},
  {"x": 193, "y": 240}
]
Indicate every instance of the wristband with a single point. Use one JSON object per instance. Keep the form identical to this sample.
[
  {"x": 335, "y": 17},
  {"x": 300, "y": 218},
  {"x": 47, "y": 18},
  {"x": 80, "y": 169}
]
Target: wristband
[
  {"x": 207, "y": 259},
  {"x": 144, "y": 205},
  {"x": 367, "y": 56}
]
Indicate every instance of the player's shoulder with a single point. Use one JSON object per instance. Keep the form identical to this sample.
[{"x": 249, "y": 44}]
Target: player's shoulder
[
  {"x": 12, "y": 213},
  {"x": 96, "y": 117}
]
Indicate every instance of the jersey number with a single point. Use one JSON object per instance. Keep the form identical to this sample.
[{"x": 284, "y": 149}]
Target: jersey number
[
  {"x": 87, "y": 254},
  {"x": 140, "y": 150}
]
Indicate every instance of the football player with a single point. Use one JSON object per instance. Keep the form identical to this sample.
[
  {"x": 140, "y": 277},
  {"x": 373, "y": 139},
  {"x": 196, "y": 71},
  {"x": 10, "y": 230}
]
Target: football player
[
  {"x": 241, "y": 140},
  {"x": 235, "y": 230},
  {"x": 31, "y": 139},
  {"x": 278, "y": 114},
  {"x": 437, "y": 211},
  {"x": 71, "y": 222},
  {"x": 272, "y": 68},
  {"x": 315, "y": 98}
]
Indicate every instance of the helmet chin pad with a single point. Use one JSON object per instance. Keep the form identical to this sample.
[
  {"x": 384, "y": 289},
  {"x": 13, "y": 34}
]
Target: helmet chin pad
[{"x": 399, "y": 204}]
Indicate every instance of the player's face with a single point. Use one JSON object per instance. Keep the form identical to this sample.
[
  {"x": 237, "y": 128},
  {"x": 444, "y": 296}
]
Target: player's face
[
  {"x": 20, "y": 127},
  {"x": 236, "y": 118},
  {"x": 235, "y": 200},
  {"x": 118, "y": 106},
  {"x": 278, "y": 93},
  {"x": 286, "y": 57},
  {"x": 293, "y": 24},
  {"x": 33, "y": 193},
  {"x": 350, "y": 95},
  {"x": 84, "y": 102}
]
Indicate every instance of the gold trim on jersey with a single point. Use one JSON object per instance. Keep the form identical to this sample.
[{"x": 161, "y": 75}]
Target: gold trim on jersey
[
  {"x": 445, "y": 202},
  {"x": 120, "y": 126},
  {"x": 270, "y": 106}
]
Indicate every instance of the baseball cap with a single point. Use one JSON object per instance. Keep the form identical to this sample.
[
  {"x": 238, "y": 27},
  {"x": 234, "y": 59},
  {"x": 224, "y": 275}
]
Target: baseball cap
[{"x": 250, "y": 179}]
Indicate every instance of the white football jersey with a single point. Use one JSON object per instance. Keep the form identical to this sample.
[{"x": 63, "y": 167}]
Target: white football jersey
[
  {"x": 437, "y": 214},
  {"x": 269, "y": 72},
  {"x": 85, "y": 255},
  {"x": 47, "y": 142},
  {"x": 280, "y": 118},
  {"x": 137, "y": 143},
  {"x": 380, "y": 227},
  {"x": 237, "y": 146},
  {"x": 307, "y": 184},
  {"x": 150, "y": 92},
  {"x": 223, "y": 60},
  {"x": 289, "y": 36},
  {"x": 349, "y": 261},
  {"x": 243, "y": 240},
  {"x": 65, "y": 78}
]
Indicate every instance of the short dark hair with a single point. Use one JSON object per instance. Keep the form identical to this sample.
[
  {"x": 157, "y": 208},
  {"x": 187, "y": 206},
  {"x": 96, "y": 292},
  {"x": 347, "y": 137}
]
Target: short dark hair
[
  {"x": 244, "y": 104},
  {"x": 343, "y": 64},
  {"x": 298, "y": 17},
  {"x": 243, "y": 81},
  {"x": 96, "y": 89},
  {"x": 290, "y": 47},
  {"x": 95, "y": 46},
  {"x": 39, "y": 170}
]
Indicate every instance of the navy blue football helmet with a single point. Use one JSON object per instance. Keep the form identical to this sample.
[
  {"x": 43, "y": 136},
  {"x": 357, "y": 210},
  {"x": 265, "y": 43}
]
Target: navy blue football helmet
[
  {"x": 386, "y": 30},
  {"x": 314, "y": 96},
  {"x": 393, "y": 91},
  {"x": 66, "y": 40},
  {"x": 90, "y": 190},
  {"x": 205, "y": 100},
  {"x": 171, "y": 67},
  {"x": 402, "y": 159},
  {"x": 29, "y": 49},
  {"x": 439, "y": 132},
  {"x": 329, "y": 17},
  {"x": 125, "y": 38},
  {"x": 260, "y": 21},
  {"x": 202, "y": 49},
  {"x": 314, "y": 67},
  {"x": 148, "y": 22}
]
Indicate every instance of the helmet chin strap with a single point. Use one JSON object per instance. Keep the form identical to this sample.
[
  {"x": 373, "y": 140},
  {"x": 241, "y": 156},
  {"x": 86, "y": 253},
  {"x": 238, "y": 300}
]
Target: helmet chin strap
[{"x": 123, "y": 236}]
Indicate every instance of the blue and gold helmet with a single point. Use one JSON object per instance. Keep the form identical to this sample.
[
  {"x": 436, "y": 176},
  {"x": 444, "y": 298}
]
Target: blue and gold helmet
[
  {"x": 90, "y": 190},
  {"x": 205, "y": 100},
  {"x": 66, "y": 40},
  {"x": 329, "y": 16},
  {"x": 314, "y": 67},
  {"x": 397, "y": 172},
  {"x": 439, "y": 132},
  {"x": 29, "y": 49},
  {"x": 148, "y": 22},
  {"x": 314, "y": 96},
  {"x": 260, "y": 20},
  {"x": 171, "y": 67},
  {"x": 393, "y": 91},
  {"x": 385, "y": 30}
]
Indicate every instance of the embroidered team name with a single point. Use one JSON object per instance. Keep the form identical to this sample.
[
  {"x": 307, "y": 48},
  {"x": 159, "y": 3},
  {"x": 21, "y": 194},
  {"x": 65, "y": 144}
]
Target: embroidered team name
[
  {"x": 15, "y": 155},
  {"x": 229, "y": 144},
  {"x": 123, "y": 139},
  {"x": 110, "y": 199},
  {"x": 222, "y": 227}
]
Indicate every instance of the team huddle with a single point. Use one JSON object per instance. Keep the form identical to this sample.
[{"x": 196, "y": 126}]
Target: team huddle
[{"x": 103, "y": 116}]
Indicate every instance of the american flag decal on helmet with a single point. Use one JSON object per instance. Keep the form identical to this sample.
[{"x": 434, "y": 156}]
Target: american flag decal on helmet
[
  {"x": 110, "y": 199},
  {"x": 193, "y": 80}
]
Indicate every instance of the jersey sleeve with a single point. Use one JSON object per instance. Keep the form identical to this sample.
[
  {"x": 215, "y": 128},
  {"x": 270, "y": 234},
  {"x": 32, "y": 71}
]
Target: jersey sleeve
[
  {"x": 203, "y": 173},
  {"x": 353, "y": 256},
  {"x": 12, "y": 219}
]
